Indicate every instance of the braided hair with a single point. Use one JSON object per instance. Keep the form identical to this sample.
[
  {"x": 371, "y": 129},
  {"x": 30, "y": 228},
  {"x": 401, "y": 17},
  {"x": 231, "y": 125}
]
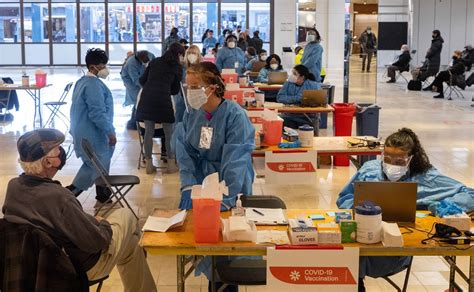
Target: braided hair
[
  {"x": 407, "y": 140},
  {"x": 210, "y": 75}
]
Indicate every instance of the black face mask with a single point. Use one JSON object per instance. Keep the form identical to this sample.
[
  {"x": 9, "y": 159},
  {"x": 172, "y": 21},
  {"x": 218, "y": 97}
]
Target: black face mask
[{"x": 63, "y": 157}]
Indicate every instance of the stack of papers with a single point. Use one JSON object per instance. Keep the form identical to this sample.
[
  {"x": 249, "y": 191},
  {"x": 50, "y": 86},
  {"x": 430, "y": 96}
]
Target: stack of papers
[
  {"x": 263, "y": 216},
  {"x": 163, "y": 223},
  {"x": 273, "y": 236}
]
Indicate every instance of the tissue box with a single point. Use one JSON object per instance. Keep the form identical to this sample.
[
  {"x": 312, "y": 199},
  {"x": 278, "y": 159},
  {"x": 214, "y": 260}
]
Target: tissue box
[
  {"x": 391, "y": 235},
  {"x": 348, "y": 231},
  {"x": 247, "y": 234},
  {"x": 329, "y": 233},
  {"x": 300, "y": 235},
  {"x": 459, "y": 221}
]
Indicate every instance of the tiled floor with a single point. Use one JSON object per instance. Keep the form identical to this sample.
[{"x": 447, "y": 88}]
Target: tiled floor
[{"x": 444, "y": 127}]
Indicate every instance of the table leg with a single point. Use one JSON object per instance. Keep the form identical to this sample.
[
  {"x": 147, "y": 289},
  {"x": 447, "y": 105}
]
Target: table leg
[
  {"x": 38, "y": 98},
  {"x": 452, "y": 274},
  {"x": 180, "y": 275},
  {"x": 213, "y": 274},
  {"x": 471, "y": 274}
]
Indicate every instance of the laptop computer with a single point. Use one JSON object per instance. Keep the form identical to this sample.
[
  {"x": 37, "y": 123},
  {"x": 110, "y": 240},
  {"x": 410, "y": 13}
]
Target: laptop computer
[
  {"x": 277, "y": 77},
  {"x": 397, "y": 199},
  {"x": 314, "y": 98}
]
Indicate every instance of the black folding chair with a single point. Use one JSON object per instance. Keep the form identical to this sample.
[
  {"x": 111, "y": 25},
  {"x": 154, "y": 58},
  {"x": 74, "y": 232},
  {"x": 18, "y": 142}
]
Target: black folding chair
[
  {"x": 55, "y": 108},
  {"x": 407, "y": 277},
  {"x": 119, "y": 185},
  {"x": 98, "y": 281},
  {"x": 248, "y": 272}
]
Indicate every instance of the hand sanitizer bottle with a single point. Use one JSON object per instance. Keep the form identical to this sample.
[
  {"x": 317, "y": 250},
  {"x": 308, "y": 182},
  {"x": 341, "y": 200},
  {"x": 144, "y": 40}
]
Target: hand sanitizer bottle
[{"x": 238, "y": 210}]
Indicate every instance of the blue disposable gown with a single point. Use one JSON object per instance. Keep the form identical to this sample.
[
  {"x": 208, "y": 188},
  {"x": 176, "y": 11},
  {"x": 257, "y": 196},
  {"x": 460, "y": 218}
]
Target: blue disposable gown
[
  {"x": 432, "y": 187},
  {"x": 92, "y": 112},
  {"x": 291, "y": 93},
  {"x": 233, "y": 141},
  {"x": 221, "y": 40},
  {"x": 249, "y": 65},
  {"x": 179, "y": 103},
  {"x": 263, "y": 74},
  {"x": 226, "y": 58},
  {"x": 312, "y": 59},
  {"x": 232, "y": 144},
  {"x": 131, "y": 72},
  {"x": 209, "y": 43}
]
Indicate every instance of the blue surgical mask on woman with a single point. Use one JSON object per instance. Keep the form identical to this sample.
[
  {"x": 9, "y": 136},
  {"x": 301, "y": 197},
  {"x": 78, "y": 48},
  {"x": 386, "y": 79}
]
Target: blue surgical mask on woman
[{"x": 196, "y": 97}]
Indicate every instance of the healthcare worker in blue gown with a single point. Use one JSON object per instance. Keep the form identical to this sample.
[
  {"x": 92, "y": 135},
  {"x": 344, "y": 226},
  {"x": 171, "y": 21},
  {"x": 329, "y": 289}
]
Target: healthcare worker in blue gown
[
  {"x": 230, "y": 149},
  {"x": 313, "y": 54},
  {"x": 92, "y": 114},
  {"x": 131, "y": 72},
  {"x": 299, "y": 80},
  {"x": 273, "y": 64},
  {"x": 230, "y": 56},
  {"x": 404, "y": 159}
]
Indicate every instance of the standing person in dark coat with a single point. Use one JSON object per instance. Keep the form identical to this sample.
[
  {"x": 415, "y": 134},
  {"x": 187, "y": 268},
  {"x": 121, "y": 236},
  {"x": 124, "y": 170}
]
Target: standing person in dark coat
[
  {"x": 432, "y": 61},
  {"x": 257, "y": 41},
  {"x": 368, "y": 45},
  {"x": 161, "y": 79},
  {"x": 401, "y": 64}
]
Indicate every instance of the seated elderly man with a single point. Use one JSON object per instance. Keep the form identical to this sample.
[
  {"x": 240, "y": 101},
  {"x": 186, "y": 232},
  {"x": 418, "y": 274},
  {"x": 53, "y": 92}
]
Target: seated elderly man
[
  {"x": 96, "y": 243},
  {"x": 401, "y": 64}
]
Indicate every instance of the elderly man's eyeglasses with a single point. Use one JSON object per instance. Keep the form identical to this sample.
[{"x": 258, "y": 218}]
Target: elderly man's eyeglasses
[{"x": 397, "y": 160}]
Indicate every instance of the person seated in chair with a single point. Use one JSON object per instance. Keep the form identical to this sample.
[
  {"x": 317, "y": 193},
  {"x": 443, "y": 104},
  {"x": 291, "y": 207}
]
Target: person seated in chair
[
  {"x": 454, "y": 72},
  {"x": 401, "y": 64},
  {"x": 273, "y": 64},
  {"x": 96, "y": 245},
  {"x": 468, "y": 57},
  {"x": 404, "y": 159}
]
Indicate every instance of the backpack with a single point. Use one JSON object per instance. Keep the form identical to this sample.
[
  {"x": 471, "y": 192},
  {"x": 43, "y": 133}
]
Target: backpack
[
  {"x": 470, "y": 80},
  {"x": 414, "y": 85}
]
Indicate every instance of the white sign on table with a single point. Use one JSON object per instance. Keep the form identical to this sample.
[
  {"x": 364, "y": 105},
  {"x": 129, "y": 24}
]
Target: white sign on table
[
  {"x": 297, "y": 167},
  {"x": 312, "y": 269}
]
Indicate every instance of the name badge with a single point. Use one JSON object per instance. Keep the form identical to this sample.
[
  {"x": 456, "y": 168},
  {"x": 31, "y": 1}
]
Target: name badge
[{"x": 206, "y": 137}]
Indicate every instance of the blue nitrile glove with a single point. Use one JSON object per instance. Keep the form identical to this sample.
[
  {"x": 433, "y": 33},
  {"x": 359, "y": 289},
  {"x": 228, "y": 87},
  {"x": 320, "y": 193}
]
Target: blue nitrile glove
[
  {"x": 186, "y": 203},
  {"x": 444, "y": 208}
]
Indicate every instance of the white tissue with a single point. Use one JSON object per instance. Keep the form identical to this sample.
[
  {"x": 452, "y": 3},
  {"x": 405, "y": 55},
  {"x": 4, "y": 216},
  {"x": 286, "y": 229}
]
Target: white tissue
[
  {"x": 211, "y": 188},
  {"x": 269, "y": 115}
]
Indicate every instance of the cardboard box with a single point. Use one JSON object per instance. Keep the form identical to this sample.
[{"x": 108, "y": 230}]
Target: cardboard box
[
  {"x": 329, "y": 233},
  {"x": 460, "y": 221},
  {"x": 348, "y": 231},
  {"x": 303, "y": 234}
]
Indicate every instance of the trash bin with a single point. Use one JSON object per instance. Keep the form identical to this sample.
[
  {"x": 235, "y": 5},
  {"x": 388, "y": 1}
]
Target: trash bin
[
  {"x": 323, "y": 121},
  {"x": 342, "y": 124},
  {"x": 367, "y": 124}
]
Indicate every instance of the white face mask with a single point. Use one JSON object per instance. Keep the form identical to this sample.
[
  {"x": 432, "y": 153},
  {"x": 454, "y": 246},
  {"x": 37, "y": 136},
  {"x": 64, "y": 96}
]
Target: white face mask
[
  {"x": 196, "y": 97},
  {"x": 274, "y": 66},
  {"x": 104, "y": 73},
  {"x": 231, "y": 45},
  {"x": 310, "y": 38},
  {"x": 192, "y": 58},
  {"x": 292, "y": 78},
  {"x": 263, "y": 58},
  {"x": 394, "y": 172}
]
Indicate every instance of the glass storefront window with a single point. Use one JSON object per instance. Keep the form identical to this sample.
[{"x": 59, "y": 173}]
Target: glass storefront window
[
  {"x": 63, "y": 21},
  {"x": 10, "y": 23},
  {"x": 92, "y": 22},
  {"x": 177, "y": 15},
  {"x": 233, "y": 14},
  {"x": 120, "y": 23},
  {"x": 36, "y": 22},
  {"x": 204, "y": 17},
  {"x": 259, "y": 18},
  {"x": 149, "y": 22}
]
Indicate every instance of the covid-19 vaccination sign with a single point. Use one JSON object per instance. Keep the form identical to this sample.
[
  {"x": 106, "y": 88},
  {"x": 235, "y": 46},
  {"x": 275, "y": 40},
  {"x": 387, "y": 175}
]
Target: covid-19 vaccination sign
[
  {"x": 312, "y": 269},
  {"x": 296, "y": 167}
]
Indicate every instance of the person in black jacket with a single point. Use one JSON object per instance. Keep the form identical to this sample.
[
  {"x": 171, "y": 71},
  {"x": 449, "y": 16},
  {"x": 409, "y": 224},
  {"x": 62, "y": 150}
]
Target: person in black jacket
[
  {"x": 457, "y": 69},
  {"x": 402, "y": 64},
  {"x": 468, "y": 57},
  {"x": 161, "y": 80},
  {"x": 257, "y": 41},
  {"x": 432, "y": 59}
]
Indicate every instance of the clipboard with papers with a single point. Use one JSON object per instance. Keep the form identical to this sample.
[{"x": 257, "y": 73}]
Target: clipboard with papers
[{"x": 265, "y": 216}]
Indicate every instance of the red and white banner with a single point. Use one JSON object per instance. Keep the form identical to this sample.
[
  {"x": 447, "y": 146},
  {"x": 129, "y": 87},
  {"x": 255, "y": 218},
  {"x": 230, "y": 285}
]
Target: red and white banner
[
  {"x": 312, "y": 269},
  {"x": 297, "y": 167}
]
